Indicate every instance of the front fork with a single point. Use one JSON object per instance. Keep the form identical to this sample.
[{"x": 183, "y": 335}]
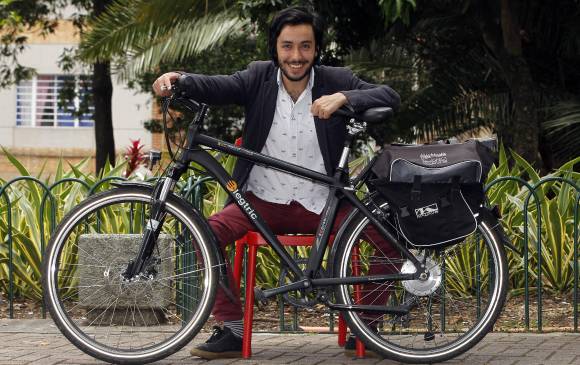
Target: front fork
[{"x": 154, "y": 224}]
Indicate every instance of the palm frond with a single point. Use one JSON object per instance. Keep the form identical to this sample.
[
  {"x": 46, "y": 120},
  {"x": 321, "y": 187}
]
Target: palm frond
[
  {"x": 565, "y": 114},
  {"x": 113, "y": 32},
  {"x": 161, "y": 11},
  {"x": 565, "y": 144},
  {"x": 439, "y": 99},
  {"x": 176, "y": 43},
  {"x": 438, "y": 112},
  {"x": 381, "y": 59},
  {"x": 127, "y": 22},
  {"x": 562, "y": 129}
]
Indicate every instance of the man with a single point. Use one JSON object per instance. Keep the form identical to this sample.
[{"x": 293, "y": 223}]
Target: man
[{"x": 288, "y": 103}]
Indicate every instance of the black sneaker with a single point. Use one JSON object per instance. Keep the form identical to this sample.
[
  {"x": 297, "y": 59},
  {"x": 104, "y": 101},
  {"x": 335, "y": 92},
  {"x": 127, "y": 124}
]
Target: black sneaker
[
  {"x": 222, "y": 344},
  {"x": 350, "y": 348}
]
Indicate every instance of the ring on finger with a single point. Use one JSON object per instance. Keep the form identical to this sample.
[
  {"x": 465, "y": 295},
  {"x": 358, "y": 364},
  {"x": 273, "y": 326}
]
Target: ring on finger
[{"x": 164, "y": 87}]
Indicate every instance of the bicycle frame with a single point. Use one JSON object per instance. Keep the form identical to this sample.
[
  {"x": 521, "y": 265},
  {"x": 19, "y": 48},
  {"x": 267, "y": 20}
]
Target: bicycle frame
[
  {"x": 339, "y": 189},
  {"x": 95, "y": 297}
]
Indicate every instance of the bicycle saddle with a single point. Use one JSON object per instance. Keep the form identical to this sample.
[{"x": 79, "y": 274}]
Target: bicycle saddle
[{"x": 372, "y": 115}]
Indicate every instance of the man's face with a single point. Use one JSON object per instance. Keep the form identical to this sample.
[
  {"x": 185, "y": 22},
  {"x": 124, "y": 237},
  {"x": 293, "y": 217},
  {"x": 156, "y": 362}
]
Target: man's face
[{"x": 296, "y": 50}]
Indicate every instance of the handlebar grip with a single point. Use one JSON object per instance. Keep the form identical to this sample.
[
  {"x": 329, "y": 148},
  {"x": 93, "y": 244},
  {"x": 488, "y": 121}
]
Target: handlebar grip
[
  {"x": 180, "y": 88},
  {"x": 182, "y": 84}
]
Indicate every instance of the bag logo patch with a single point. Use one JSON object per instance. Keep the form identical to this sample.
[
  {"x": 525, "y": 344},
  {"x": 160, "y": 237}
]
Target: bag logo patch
[
  {"x": 427, "y": 210},
  {"x": 433, "y": 158}
]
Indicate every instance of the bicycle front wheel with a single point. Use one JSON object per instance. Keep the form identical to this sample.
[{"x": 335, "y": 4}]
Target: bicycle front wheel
[
  {"x": 447, "y": 314},
  {"x": 137, "y": 321}
]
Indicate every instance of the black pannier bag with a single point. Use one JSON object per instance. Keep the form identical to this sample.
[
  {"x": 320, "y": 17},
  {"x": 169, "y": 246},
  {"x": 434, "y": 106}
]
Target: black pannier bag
[{"x": 435, "y": 190}]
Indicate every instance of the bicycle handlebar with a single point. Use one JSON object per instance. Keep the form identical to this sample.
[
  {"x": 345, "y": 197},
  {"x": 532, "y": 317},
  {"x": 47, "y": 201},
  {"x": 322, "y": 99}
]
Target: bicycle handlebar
[
  {"x": 179, "y": 89},
  {"x": 371, "y": 115}
]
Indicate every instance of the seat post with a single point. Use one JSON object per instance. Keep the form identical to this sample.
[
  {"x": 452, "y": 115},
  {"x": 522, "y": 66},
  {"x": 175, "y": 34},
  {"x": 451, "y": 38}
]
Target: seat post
[{"x": 353, "y": 127}]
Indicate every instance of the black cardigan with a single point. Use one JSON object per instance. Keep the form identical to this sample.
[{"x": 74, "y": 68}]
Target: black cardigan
[{"x": 256, "y": 89}]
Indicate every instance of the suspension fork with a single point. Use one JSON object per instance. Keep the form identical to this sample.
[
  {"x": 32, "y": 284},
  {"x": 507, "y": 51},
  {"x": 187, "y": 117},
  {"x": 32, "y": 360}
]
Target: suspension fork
[{"x": 155, "y": 222}]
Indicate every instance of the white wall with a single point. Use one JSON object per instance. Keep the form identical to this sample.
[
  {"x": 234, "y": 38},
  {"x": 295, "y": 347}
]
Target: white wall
[
  {"x": 130, "y": 110},
  {"x": 8, "y": 116}
]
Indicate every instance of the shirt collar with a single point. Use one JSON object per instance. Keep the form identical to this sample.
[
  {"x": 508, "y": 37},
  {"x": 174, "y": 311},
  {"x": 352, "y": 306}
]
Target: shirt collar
[{"x": 310, "y": 80}]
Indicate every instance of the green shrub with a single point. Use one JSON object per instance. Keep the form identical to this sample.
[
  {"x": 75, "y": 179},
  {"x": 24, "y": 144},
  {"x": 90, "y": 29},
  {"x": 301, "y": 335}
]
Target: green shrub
[
  {"x": 556, "y": 200},
  {"x": 32, "y": 223},
  {"x": 33, "y": 215}
]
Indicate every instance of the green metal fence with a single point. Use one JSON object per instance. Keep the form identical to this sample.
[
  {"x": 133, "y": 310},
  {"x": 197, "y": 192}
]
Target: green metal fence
[
  {"x": 191, "y": 189},
  {"x": 537, "y": 201}
]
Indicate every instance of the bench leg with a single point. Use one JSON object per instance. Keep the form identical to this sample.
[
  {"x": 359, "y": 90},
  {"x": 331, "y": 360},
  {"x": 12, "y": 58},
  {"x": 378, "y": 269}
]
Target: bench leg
[
  {"x": 249, "y": 303},
  {"x": 360, "y": 347},
  {"x": 239, "y": 261},
  {"x": 341, "y": 330}
]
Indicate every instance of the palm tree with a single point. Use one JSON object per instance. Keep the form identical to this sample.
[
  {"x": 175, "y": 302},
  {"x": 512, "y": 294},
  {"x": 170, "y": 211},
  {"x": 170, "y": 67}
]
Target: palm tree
[
  {"x": 138, "y": 35},
  {"x": 437, "y": 102},
  {"x": 135, "y": 36}
]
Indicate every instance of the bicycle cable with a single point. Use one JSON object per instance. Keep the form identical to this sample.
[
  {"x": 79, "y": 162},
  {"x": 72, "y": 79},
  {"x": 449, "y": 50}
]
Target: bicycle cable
[{"x": 165, "y": 111}]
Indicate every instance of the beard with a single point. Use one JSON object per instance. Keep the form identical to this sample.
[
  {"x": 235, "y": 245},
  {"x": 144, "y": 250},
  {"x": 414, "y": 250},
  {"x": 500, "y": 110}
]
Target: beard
[{"x": 296, "y": 78}]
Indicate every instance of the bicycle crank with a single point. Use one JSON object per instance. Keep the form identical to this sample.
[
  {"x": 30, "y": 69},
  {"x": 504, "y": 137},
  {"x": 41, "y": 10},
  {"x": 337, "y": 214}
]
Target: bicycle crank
[{"x": 301, "y": 297}]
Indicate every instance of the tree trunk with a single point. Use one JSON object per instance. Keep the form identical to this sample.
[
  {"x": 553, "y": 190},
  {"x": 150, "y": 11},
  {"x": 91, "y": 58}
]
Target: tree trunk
[
  {"x": 102, "y": 98},
  {"x": 501, "y": 32},
  {"x": 523, "y": 133}
]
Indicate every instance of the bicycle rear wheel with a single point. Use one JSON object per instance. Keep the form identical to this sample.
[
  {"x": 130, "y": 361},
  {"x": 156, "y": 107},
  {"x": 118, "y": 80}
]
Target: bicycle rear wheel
[
  {"x": 449, "y": 312},
  {"x": 138, "y": 321}
]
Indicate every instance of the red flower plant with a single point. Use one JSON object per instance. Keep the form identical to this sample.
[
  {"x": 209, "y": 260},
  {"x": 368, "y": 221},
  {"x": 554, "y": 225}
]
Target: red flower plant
[{"x": 134, "y": 156}]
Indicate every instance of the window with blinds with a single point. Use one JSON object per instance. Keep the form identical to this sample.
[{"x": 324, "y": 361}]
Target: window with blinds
[{"x": 54, "y": 101}]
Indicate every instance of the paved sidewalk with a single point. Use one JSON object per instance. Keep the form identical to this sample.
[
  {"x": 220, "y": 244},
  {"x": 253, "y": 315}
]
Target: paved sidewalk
[{"x": 40, "y": 342}]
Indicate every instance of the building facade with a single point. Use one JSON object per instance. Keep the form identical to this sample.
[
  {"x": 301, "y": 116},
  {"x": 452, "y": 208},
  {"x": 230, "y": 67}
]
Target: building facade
[{"x": 39, "y": 130}]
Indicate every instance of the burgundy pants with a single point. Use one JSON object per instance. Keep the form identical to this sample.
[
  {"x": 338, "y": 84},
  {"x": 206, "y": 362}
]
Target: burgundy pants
[{"x": 231, "y": 224}]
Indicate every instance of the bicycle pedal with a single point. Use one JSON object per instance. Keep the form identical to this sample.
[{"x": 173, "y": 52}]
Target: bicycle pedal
[{"x": 260, "y": 297}]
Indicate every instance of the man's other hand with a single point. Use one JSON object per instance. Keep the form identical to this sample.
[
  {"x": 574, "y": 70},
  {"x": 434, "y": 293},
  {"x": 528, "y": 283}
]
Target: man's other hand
[
  {"x": 162, "y": 86},
  {"x": 324, "y": 106}
]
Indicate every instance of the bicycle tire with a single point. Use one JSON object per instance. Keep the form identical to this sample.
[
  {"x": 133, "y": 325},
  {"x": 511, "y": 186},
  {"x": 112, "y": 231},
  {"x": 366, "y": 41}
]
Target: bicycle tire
[
  {"x": 442, "y": 333},
  {"x": 129, "y": 322}
]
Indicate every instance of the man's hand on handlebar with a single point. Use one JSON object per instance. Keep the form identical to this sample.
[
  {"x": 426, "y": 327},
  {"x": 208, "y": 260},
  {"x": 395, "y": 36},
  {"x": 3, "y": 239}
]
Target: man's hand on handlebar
[{"x": 162, "y": 86}]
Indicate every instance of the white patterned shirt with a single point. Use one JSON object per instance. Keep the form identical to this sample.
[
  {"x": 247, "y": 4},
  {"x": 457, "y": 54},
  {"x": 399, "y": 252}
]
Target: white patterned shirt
[{"x": 293, "y": 139}]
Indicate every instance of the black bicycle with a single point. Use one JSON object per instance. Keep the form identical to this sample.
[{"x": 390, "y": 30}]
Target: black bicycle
[{"x": 130, "y": 274}]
